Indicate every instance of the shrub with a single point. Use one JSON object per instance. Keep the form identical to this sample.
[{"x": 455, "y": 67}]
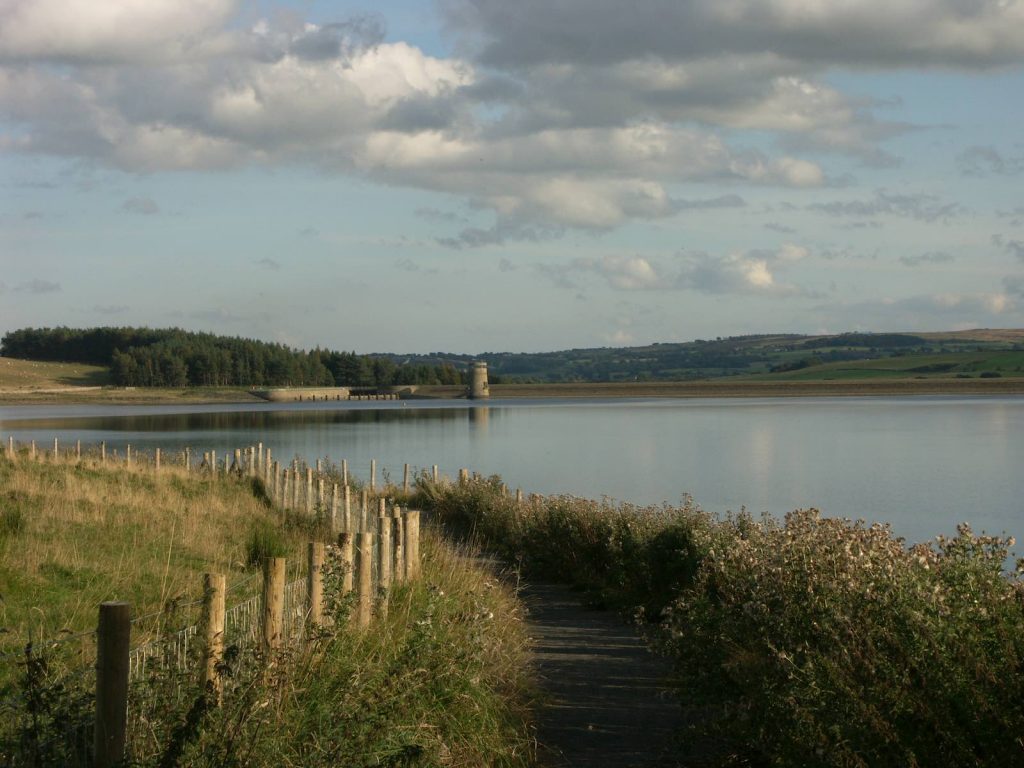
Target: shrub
[
  {"x": 822, "y": 641},
  {"x": 812, "y": 641}
]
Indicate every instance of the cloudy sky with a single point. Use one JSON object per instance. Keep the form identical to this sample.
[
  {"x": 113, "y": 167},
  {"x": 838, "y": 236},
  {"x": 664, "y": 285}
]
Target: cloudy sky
[{"x": 480, "y": 175}]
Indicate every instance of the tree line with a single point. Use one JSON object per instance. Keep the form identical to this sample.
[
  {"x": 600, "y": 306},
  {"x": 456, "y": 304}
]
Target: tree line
[{"x": 147, "y": 357}]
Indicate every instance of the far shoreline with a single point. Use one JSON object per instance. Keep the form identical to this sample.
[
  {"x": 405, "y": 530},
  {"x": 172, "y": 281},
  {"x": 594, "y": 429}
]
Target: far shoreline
[{"x": 714, "y": 388}]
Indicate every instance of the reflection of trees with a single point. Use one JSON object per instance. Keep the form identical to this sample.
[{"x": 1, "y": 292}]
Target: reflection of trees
[{"x": 262, "y": 420}]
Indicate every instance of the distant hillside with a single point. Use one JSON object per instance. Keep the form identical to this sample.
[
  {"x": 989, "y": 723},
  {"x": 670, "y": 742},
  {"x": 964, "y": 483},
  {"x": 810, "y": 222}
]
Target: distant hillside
[
  {"x": 761, "y": 355},
  {"x": 176, "y": 358}
]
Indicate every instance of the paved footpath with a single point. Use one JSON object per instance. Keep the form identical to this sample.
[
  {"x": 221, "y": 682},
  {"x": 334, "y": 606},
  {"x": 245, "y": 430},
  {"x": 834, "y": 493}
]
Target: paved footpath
[{"x": 605, "y": 703}]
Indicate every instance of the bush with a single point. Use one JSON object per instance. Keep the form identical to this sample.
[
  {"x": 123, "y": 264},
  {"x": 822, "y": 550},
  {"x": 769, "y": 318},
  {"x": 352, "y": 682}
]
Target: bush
[
  {"x": 812, "y": 641},
  {"x": 821, "y": 641}
]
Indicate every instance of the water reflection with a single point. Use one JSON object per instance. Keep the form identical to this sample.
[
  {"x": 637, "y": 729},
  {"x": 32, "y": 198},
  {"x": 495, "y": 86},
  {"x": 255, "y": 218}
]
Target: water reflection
[
  {"x": 255, "y": 420},
  {"x": 479, "y": 416},
  {"x": 922, "y": 463}
]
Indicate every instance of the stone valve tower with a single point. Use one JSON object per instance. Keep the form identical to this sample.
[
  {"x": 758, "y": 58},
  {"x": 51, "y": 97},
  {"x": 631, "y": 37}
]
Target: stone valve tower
[{"x": 478, "y": 389}]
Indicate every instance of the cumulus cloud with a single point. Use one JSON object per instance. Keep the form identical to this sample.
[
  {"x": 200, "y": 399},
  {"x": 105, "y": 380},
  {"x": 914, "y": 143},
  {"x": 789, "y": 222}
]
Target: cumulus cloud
[
  {"x": 868, "y": 33},
  {"x": 79, "y": 31},
  {"x": 748, "y": 272},
  {"x": 623, "y": 273},
  {"x": 751, "y": 272},
  {"x": 627, "y": 273},
  {"x": 580, "y": 114},
  {"x": 943, "y": 310}
]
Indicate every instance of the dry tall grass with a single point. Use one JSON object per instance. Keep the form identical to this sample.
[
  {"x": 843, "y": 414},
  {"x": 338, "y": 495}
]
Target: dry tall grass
[{"x": 73, "y": 534}]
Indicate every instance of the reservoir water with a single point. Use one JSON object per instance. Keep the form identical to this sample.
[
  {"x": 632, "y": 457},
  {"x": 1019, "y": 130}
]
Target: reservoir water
[{"x": 921, "y": 463}]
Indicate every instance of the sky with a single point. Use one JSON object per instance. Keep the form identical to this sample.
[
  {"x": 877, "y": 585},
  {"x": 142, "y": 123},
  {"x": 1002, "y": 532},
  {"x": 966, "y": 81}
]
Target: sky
[{"x": 484, "y": 175}]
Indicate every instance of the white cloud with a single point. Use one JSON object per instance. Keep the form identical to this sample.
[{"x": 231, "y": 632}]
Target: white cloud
[
  {"x": 868, "y": 33},
  {"x": 578, "y": 114},
  {"x": 111, "y": 31},
  {"x": 924, "y": 311},
  {"x": 752, "y": 272}
]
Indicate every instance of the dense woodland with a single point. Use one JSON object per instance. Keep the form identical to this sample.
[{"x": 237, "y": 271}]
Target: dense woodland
[{"x": 144, "y": 357}]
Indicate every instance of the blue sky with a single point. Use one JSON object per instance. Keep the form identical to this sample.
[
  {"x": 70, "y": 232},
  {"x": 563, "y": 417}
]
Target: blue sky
[{"x": 479, "y": 175}]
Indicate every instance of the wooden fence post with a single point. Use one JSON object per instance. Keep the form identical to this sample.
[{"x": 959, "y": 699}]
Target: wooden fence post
[
  {"x": 364, "y": 502},
  {"x": 214, "y": 591},
  {"x": 347, "y": 509},
  {"x": 128, "y": 455},
  {"x": 364, "y": 580},
  {"x": 398, "y": 532},
  {"x": 113, "y": 642},
  {"x": 334, "y": 508},
  {"x": 259, "y": 458},
  {"x": 436, "y": 474},
  {"x": 56, "y": 450},
  {"x": 384, "y": 561},
  {"x": 284, "y": 489},
  {"x": 315, "y": 584},
  {"x": 463, "y": 476},
  {"x": 188, "y": 459},
  {"x": 309, "y": 490},
  {"x": 320, "y": 493},
  {"x": 373, "y": 475},
  {"x": 519, "y": 496},
  {"x": 405, "y": 479},
  {"x": 156, "y": 458},
  {"x": 346, "y": 545},
  {"x": 295, "y": 489},
  {"x": 78, "y": 450},
  {"x": 344, "y": 472},
  {"x": 268, "y": 467},
  {"x": 252, "y": 461},
  {"x": 10, "y": 446},
  {"x": 103, "y": 451},
  {"x": 412, "y": 544},
  {"x": 273, "y": 602}
]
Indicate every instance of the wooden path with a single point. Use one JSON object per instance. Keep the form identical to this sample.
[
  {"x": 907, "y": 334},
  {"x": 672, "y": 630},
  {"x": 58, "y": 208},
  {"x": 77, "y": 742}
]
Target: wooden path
[{"x": 605, "y": 703}]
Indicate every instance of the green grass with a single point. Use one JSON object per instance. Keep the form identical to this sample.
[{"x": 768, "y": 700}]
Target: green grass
[
  {"x": 31, "y": 374},
  {"x": 909, "y": 366}
]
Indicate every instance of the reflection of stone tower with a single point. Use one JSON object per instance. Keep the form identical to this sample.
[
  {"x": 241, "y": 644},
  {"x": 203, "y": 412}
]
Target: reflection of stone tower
[{"x": 478, "y": 389}]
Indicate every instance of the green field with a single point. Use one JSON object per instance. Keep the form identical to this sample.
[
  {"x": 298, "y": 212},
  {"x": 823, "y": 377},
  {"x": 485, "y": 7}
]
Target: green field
[
  {"x": 34, "y": 374},
  {"x": 916, "y": 366}
]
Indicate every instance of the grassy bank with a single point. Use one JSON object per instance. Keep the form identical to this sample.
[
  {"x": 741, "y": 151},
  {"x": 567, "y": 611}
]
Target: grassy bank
[
  {"x": 804, "y": 642},
  {"x": 440, "y": 680}
]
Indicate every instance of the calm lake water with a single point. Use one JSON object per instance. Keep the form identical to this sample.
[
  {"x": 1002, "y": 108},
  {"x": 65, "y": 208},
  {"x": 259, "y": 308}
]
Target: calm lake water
[{"x": 921, "y": 463}]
